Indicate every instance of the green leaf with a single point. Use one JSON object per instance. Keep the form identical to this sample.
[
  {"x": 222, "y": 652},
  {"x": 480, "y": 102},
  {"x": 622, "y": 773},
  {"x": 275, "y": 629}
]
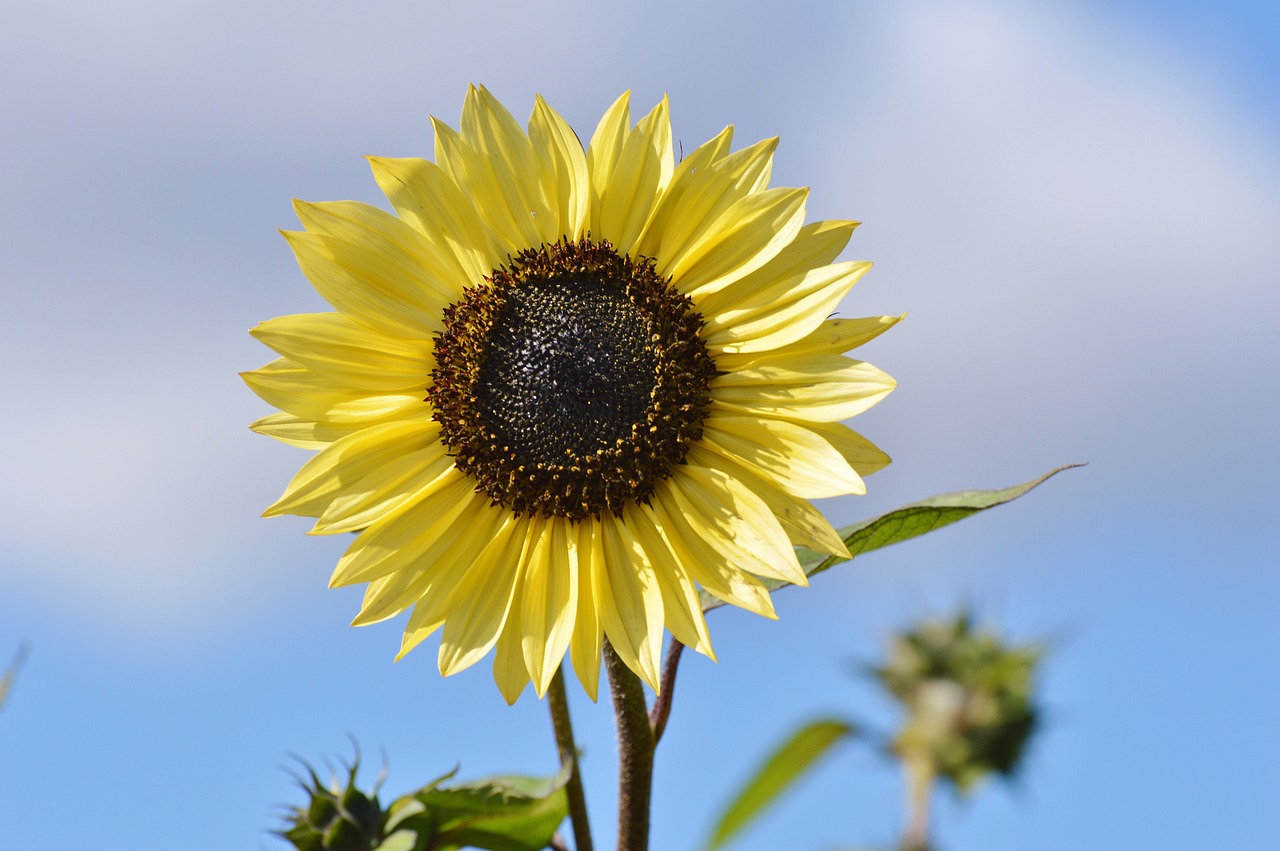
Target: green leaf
[
  {"x": 786, "y": 765},
  {"x": 901, "y": 524},
  {"x": 498, "y": 814}
]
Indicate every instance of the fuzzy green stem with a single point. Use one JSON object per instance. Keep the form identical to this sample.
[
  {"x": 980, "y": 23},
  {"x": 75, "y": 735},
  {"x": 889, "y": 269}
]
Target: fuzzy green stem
[
  {"x": 662, "y": 705},
  {"x": 635, "y": 753},
  {"x": 559, "y": 704}
]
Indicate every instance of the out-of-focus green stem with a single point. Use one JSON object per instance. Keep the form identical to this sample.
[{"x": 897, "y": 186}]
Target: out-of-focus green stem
[{"x": 920, "y": 778}]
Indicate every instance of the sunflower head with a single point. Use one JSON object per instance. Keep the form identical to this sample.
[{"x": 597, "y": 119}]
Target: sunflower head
[{"x": 562, "y": 389}]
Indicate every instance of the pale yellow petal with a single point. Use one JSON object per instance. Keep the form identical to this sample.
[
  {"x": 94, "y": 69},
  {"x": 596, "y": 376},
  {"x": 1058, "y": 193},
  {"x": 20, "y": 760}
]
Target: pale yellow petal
[
  {"x": 436, "y": 567},
  {"x": 813, "y": 388},
  {"x": 347, "y": 461},
  {"x": 699, "y": 195},
  {"x": 505, "y": 163},
  {"x": 348, "y": 353},
  {"x": 637, "y": 178},
  {"x": 375, "y": 296},
  {"x": 861, "y": 454},
  {"x": 816, "y": 245},
  {"x": 479, "y": 607},
  {"x": 564, "y": 166},
  {"x": 588, "y": 636},
  {"x": 418, "y": 630},
  {"x": 804, "y": 524},
  {"x": 509, "y": 669},
  {"x": 803, "y": 463},
  {"x": 400, "y": 539},
  {"x": 509, "y": 232},
  {"x": 631, "y": 602},
  {"x": 398, "y": 250},
  {"x": 428, "y": 199},
  {"x": 603, "y": 152},
  {"x": 382, "y": 492},
  {"x": 304, "y": 393},
  {"x": 833, "y": 337},
  {"x": 794, "y": 315},
  {"x": 749, "y": 235},
  {"x": 707, "y": 566},
  {"x": 736, "y": 522},
  {"x": 680, "y": 605},
  {"x": 301, "y": 432},
  {"x": 549, "y": 602}
]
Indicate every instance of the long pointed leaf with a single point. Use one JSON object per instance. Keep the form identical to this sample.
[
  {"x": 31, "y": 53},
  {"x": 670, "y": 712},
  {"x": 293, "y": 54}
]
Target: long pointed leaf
[
  {"x": 784, "y": 767},
  {"x": 901, "y": 524}
]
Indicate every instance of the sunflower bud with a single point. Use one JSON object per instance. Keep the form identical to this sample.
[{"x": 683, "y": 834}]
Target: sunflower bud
[{"x": 335, "y": 818}]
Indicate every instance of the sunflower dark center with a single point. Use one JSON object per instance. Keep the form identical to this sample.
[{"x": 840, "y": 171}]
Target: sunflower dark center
[
  {"x": 571, "y": 381},
  {"x": 569, "y": 369}
]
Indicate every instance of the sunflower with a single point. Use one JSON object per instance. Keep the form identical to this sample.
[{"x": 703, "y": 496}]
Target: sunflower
[{"x": 563, "y": 389}]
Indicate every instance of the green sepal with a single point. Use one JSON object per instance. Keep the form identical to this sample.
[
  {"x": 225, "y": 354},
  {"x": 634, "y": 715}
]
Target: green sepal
[{"x": 509, "y": 813}]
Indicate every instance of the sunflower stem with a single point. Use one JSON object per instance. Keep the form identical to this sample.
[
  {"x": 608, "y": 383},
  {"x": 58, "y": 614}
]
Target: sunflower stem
[
  {"x": 920, "y": 777},
  {"x": 662, "y": 705},
  {"x": 635, "y": 753},
  {"x": 558, "y": 701}
]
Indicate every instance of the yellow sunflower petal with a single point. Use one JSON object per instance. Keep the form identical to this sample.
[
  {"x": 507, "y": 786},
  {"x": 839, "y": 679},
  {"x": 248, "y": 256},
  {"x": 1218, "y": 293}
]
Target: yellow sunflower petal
[
  {"x": 816, "y": 245},
  {"x": 801, "y": 462},
  {"x": 301, "y": 432},
  {"x": 435, "y": 568},
  {"x": 378, "y": 244},
  {"x": 588, "y": 636},
  {"x": 603, "y": 152},
  {"x": 736, "y": 522},
  {"x": 473, "y": 174},
  {"x": 680, "y": 605},
  {"x": 383, "y": 491},
  {"x": 805, "y": 526},
  {"x": 794, "y": 316},
  {"x": 702, "y": 188},
  {"x": 399, "y": 540},
  {"x": 549, "y": 603},
  {"x": 817, "y": 388},
  {"x": 710, "y": 568},
  {"x": 509, "y": 669},
  {"x": 631, "y": 602},
  {"x": 374, "y": 297},
  {"x": 833, "y": 337},
  {"x": 748, "y": 235},
  {"x": 347, "y": 461},
  {"x": 479, "y": 606},
  {"x": 347, "y": 353},
  {"x": 861, "y": 454},
  {"x": 564, "y": 163},
  {"x": 310, "y": 395},
  {"x": 504, "y": 167},
  {"x": 428, "y": 199},
  {"x": 419, "y": 629},
  {"x": 643, "y": 167}
]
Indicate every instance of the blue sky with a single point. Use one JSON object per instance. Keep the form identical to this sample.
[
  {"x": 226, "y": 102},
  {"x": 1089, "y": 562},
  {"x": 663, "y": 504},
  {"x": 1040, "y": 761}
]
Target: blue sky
[{"x": 1076, "y": 203}]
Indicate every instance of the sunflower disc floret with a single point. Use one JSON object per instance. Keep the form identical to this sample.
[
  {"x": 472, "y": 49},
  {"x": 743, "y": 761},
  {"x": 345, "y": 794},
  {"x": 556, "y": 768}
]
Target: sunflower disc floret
[{"x": 564, "y": 390}]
